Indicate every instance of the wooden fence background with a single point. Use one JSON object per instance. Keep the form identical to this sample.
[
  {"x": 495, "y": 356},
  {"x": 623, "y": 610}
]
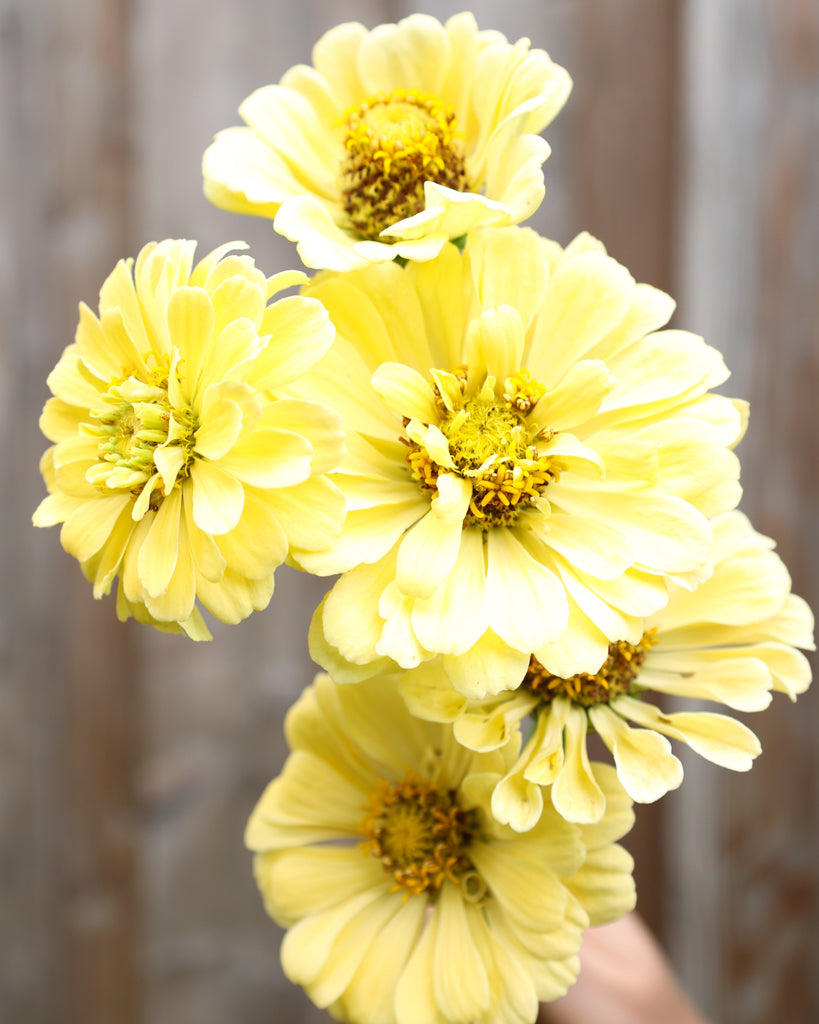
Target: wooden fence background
[{"x": 129, "y": 761}]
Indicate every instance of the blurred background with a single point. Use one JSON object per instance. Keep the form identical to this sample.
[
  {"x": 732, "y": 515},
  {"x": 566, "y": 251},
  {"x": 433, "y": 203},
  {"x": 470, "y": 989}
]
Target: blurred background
[{"x": 129, "y": 761}]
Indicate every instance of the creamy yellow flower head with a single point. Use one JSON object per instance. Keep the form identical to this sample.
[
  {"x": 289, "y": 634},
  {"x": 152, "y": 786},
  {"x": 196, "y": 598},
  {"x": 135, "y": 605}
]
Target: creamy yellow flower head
[
  {"x": 732, "y": 641},
  {"x": 394, "y": 141},
  {"x": 175, "y": 463},
  {"x": 531, "y": 460},
  {"x": 403, "y": 899}
]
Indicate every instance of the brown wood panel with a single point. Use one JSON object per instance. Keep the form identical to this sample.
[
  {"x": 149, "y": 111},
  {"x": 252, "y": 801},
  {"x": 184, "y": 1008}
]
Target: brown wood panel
[
  {"x": 744, "y": 849},
  {"x": 128, "y": 760},
  {"x": 70, "y": 875}
]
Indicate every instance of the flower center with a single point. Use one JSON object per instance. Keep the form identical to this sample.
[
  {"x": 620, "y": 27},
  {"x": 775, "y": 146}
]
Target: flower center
[
  {"x": 421, "y": 836},
  {"x": 395, "y": 142},
  {"x": 136, "y": 419},
  {"x": 491, "y": 445},
  {"x": 615, "y": 676}
]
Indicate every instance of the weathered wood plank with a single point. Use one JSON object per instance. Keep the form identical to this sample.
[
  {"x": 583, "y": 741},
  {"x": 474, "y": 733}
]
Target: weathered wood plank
[
  {"x": 125, "y": 754},
  {"x": 743, "y": 850},
  {"x": 71, "y": 862}
]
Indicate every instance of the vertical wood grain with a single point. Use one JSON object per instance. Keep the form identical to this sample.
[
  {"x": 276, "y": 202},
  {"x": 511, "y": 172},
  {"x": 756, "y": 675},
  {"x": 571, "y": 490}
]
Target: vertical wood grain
[
  {"x": 70, "y": 869},
  {"x": 744, "y": 849},
  {"x": 129, "y": 761}
]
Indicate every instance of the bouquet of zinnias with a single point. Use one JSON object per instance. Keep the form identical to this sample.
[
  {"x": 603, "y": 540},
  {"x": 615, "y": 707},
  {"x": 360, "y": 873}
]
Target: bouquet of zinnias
[{"x": 526, "y": 486}]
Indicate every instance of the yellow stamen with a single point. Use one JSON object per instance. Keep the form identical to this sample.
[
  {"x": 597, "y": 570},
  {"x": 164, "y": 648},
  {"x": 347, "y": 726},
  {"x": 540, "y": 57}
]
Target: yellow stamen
[
  {"x": 616, "y": 676},
  {"x": 394, "y": 143},
  {"x": 421, "y": 835},
  {"x": 490, "y": 445}
]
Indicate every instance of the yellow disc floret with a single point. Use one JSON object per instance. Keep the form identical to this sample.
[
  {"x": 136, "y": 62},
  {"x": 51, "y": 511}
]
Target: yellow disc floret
[
  {"x": 491, "y": 445},
  {"x": 394, "y": 143},
  {"x": 616, "y": 676},
  {"x": 421, "y": 835}
]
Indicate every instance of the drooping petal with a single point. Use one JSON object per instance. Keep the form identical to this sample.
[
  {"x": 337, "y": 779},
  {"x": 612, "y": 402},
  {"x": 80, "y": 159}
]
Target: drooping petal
[
  {"x": 645, "y": 764},
  {"x": 575, "y": 792}
]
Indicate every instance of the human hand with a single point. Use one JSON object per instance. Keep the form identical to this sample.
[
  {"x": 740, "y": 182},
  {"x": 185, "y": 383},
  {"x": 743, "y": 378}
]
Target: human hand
[{"x": 625, "y": 978}]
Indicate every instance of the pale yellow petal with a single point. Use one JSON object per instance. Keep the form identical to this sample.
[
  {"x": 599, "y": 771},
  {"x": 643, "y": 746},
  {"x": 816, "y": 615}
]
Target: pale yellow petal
[
  {"x": 406, "y": 391},
  {"x": 501, "y": 281},
  {"x": 243, "y": 174},
  {"x": 526, "y": 887},
  {"x": 368, "y": 534},
  {"x": 429, "y": 694},
  {"x": 218, "y": 498},
  {"x": 528, "y": 603},
  {"x": 370, "y": 994},
  {"x": 718, "y": 738},
  {"x": 220, "y": 430},
  {"x": 191, "y": 328},
  {"x": 159, "y": 552},
  {"x": 88, "y": 526},
  {"x": 288, "y": 123},
  {"x": 309, "y": 880},
  {"x": 311, "y": 514},
  {"x": 666, "y": 533},
  {"x": 177, "y": 602},
  {"x": 575, "y": 792},
  {"x": 645, "y": 764},
  {"x": 234, "y": 597},
  {"x": 351, "y": 947},
  {"x": 257, "y": 545},
  {"x": 494, "y": 346},
  {"x": 308, "y": 944},
  {"x": 588, "y": 295},
  {"x": 351, "y": 622},
  {"x": 576, "y": 398},
  {"x": 321, "y": 426},
  {"x": 742, "y": 683},
  {"x": 604, "y": 885},
  {"x": 459, "y": 975},
  {"x": 489, "y": 666},
  {"x": 269, "y": 458},
  {"x": 457, "y": 614},
  {"x": 300, "y": 334},
  {"x": 415, "y": 995},
  {"x": 428, "y": 552},
  {"x": 228, "y": 358}
]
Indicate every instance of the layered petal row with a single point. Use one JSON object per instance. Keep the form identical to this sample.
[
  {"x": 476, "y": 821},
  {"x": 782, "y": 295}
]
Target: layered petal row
[
  {"x": 393, "y": 141},
  {"x": 403, "y": 899},
  {"x": 532, "y": 462},
  {"x": 177, "y": 465}
]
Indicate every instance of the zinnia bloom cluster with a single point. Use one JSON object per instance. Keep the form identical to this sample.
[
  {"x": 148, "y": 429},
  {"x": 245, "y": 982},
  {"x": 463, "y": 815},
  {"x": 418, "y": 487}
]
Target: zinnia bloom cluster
[
  {"x": 174, "y": 464},
  {"x": 404, "y": 899},
  {"x": 524, "y": 479},
  {"x": 532, "y": 461},
  {"x": 394, "y": 141}
]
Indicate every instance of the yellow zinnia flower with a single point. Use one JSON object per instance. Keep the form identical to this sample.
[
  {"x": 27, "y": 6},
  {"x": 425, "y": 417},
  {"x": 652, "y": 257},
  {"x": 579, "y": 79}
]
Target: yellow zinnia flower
[
  {"x": 175, "y": 464},
  {"x": 731, "y": 641},
  {"x": 530, "y": 460},
  {"x": 394, "y": 141},
  {"x": 403, "y": 899}
]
